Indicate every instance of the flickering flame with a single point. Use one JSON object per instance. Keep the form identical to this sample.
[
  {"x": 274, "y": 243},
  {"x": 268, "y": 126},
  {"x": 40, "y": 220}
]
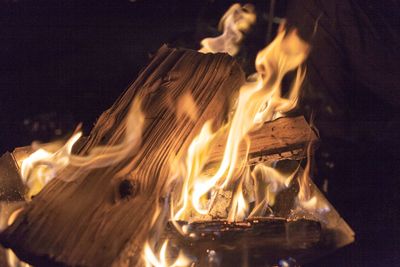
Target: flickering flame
[
  {"x": 236, "y": 21},
  {"x": 42, "y": 166},
  {"x": 239, "y": 207},
  {"x": 260, "y": 100},
  {"x": 161, "y": 259},
  {"x": 274, "y": 182},
  {"x": 153, "y": 260},
  {"x": 307, "y": 199},
  {"x": 12, "y": 259}
]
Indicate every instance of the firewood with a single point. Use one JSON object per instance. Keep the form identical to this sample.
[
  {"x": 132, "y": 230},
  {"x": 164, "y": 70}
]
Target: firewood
[
  {"x": 255, "y": 242},
  {"x": 283, "y": 138},
  {"x": 86, "y": 222}
]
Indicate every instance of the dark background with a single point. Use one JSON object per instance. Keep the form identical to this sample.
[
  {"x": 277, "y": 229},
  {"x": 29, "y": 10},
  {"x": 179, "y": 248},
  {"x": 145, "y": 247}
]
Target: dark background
[{"x": 65, "y": 62}]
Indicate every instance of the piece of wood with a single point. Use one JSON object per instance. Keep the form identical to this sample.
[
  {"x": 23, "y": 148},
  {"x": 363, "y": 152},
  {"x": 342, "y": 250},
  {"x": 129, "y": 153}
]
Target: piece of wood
[
  {"x": 86, "y": 222},
  {"x": 257, "y": 232},
  {"x": 255, "y": 242},
  {"x": 283, "y": 138}
]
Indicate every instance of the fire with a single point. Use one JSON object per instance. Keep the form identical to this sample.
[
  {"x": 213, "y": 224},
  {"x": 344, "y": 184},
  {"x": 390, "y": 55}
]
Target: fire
[
  {"x": 195, "y": 190},
  {"x": 260, "y": 100},
  {"x": 233, "y": 23},
  {"x": 12, "y": 259},
  {"x": 42, "y": 166}
]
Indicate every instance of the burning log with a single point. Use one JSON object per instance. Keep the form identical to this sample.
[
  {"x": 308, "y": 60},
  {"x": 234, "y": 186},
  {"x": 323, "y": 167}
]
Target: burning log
[
  {"x": 86, "y": 222},
  {"x": 284, "y": 138}
]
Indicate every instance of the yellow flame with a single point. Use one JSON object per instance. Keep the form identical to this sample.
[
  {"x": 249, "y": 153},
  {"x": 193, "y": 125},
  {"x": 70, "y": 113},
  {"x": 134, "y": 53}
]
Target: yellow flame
[
  {"x": 12, "y": 259},
  {"x": 239, "y": 207},
  {"x": 307, "y": 198},
  {"x": 234, "y": 23},
  {"x": 260, "y": 100},
  {"x": 152, "y": 260},
  {"x": 160, "y": 259},
  {"x": 274, "y": 182},
  {"x": 305, "y": 193},
  {"x": 42, "y": 166}
]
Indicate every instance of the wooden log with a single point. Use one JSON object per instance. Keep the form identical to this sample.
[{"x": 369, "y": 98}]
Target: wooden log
[
  {"x": 86, "y": 222},
  {"x": 283, "y": 138},
  {"x": 255, "y": 242}
]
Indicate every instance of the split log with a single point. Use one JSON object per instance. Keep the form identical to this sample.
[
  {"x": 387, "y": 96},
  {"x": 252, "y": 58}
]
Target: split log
[
  {"x": 283, "y": 138},
  {"x": 86, "y": 222}
]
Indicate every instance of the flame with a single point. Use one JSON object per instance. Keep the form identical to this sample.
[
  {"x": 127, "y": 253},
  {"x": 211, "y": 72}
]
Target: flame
[
  {"x": 260, "y": 100},
  {"x": 12, "y": 259},
  {"x": 42, "y": 166},
  {"x": 233, "y": 23},
  {"x": 305, "y": 193},
  {"x": 161, "y": 261},
  {"x": 157, "y": 225},
  {"x": 274, "y": 181},
  {"x": 239, "y": 206},
  {"x": 307, "y": 198}
]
